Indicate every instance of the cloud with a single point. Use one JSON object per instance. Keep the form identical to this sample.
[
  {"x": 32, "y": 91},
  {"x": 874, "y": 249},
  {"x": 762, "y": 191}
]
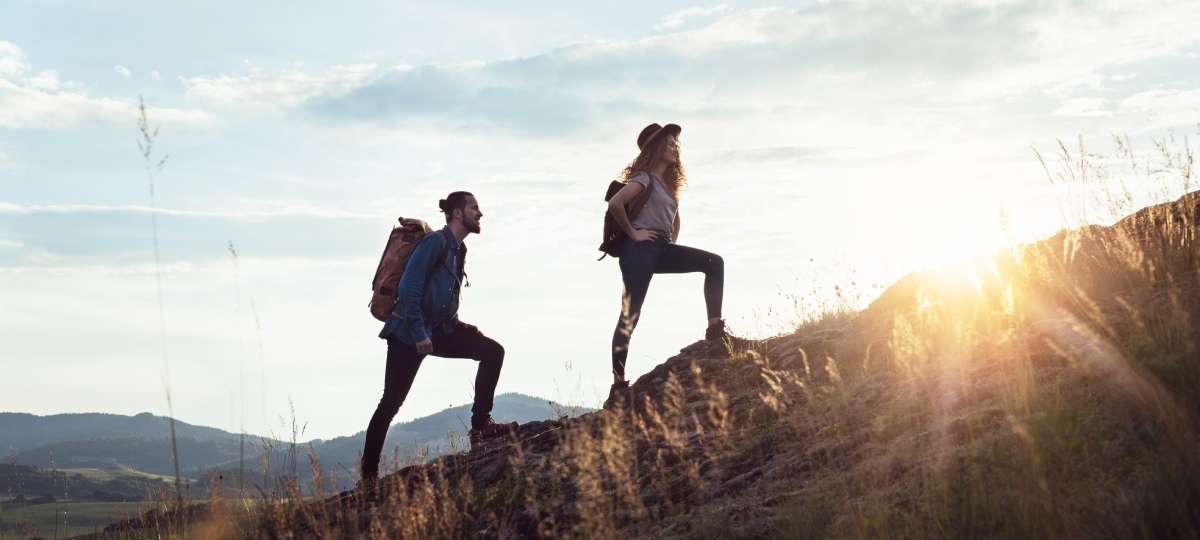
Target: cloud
[
  {"x": 1090, "y": 82},
  {"x": 1170, "y": 102},
  {"x": 829, "y": 55},
  {"x": 265, "y": 211},
  {"x": 1161, "y": 108},
  {"x": 11, "y": 244},
  {"x": 58, "y": 235},
  {"x": 155, "y": 75},
  {"x": 793, "y": 156},
  {"x": 788, "y": 154},
  {"x": 12, "y": 60},
  {"x": 677, "y": 19},
  {"x": 1082, "y": 107},
  {"x": 260, "y": 89},
  {"x": 39, "y": 100},
  {"x": 281, "y": 264},
  {"x": 122, "y": 71}
]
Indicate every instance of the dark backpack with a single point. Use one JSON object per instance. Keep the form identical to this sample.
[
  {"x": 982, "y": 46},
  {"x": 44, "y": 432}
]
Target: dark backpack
[
  {"x": 614, "y": 236},
  {"x": 396, "y": 253}
]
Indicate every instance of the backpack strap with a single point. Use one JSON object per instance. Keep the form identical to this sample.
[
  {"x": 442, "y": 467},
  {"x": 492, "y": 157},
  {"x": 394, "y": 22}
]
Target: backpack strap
[
  {"x": 462, "y": 265},
  {"x": 441, "y": 261}
]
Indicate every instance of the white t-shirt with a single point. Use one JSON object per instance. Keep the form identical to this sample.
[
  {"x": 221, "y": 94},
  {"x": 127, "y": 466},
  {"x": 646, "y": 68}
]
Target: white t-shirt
[{"x": 659, "y": 212}]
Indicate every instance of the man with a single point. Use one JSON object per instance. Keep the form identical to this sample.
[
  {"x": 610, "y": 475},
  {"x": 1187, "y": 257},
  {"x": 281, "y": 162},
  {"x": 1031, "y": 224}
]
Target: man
[{"x": 425, "y": 321}]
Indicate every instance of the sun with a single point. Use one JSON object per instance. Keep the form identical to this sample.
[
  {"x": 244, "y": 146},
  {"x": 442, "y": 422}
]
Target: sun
[{"x": 957, "y": 244}]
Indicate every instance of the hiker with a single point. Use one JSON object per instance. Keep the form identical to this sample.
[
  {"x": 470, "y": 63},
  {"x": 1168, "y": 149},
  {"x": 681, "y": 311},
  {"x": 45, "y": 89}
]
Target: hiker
[
  {"x": 649, "y": 247},
  {"x": 425, "y": 321}
]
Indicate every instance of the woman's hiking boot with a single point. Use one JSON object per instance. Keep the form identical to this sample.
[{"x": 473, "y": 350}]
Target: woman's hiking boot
[
  {"x": 619, "y": 396},
  {"x": 485, "y": 430},
  {"x": 718, "y": 334},
  {"x": 716, "y": 331}
]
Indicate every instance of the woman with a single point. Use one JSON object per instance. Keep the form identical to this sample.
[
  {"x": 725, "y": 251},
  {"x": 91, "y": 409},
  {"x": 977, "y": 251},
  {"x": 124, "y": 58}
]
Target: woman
[{"x": 649, "y": 247}]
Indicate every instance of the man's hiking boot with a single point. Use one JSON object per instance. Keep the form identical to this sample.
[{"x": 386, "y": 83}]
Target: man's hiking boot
[
  {"x": 619, "y": 396},
  {"x": 486, "y": 431},
  {"x": 367, "y": 491}
]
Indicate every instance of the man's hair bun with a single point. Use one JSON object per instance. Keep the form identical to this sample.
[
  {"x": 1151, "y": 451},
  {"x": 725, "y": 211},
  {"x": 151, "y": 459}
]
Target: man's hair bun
[{"x": 454, "y": 201}]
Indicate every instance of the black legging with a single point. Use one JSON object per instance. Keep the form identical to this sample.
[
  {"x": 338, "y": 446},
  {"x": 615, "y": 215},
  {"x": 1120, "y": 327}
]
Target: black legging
[
  {"x": 403, "y": 361},
  {"x": 639, "y": 262}
]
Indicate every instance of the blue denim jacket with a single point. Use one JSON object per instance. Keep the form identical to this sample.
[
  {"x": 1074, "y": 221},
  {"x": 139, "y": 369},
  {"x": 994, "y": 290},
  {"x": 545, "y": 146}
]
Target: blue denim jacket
[{"x": 428, "y": 297}]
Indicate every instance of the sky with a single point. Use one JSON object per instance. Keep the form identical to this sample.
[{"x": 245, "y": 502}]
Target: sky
[{"x": 831, "y": 147}]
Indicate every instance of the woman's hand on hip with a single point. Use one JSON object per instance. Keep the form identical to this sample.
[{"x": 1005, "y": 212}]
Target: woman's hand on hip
[{"x": 644, "y": 235}]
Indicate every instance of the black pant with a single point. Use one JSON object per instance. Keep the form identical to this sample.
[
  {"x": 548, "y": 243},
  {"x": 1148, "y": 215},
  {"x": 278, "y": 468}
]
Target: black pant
[
  {"x": 403, "y": 361},
  {"x": 639, "y": 262}
]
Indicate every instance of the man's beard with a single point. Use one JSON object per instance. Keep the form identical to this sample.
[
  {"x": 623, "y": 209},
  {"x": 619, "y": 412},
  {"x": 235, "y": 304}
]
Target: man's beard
[{"x": 473, "y": 227}]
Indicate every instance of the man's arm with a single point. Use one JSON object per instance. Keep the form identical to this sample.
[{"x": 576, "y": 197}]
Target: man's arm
[
  {"x": 412, "y": 284},
  {"x": 675, "y": 228}
]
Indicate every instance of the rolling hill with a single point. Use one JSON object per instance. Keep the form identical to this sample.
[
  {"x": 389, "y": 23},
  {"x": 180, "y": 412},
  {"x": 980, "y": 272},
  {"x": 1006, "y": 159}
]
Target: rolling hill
[{"x": 138, "y": 446}]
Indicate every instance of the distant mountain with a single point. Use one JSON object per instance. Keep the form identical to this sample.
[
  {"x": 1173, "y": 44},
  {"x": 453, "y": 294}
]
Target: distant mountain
[
  {"x": 142, "y": 443},
  {"x": 20, "y": 432}
]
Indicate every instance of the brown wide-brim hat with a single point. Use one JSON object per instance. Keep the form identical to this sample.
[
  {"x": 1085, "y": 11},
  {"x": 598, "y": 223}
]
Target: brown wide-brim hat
[{"x": 652, "y": 132}]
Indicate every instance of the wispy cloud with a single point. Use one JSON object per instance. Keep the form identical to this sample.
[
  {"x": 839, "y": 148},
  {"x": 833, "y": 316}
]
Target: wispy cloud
[
  {"x": 262, "y": 89},
  {"x": 122, "y": 71},
  {"x": 64, "y": 235},
  {"x": 773, "y": 153},
  {"x": 676, "y": 20},
  {"x": 1083, "y": 107},
  {"x": 277, "y": 265},
  {"x": 826, "y": 55},
  {"x": 39, "y": 100},
  {"x": 12, "y": 60},
  {"x": 267, "y": 211},
  {"x": 1179, "y": 102},
  {"x": 11, "y": 244}
]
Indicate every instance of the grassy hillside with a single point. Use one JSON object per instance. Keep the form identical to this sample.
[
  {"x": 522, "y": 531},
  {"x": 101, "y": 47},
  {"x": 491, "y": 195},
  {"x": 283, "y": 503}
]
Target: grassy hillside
[
  {"x": 1050, "y": 392},
  {"x": 79, "y": 484}
]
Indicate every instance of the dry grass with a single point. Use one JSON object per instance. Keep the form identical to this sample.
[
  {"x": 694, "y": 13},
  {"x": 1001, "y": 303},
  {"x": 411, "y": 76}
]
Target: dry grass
[{"x": 1047, "y": 393}]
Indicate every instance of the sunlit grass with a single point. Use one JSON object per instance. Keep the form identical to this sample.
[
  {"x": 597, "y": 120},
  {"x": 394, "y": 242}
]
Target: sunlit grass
[{"x": 1048, "y": 390}]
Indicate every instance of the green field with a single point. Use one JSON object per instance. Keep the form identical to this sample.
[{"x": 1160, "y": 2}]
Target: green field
[
  {"x": 63, "y": 519},
  {"x": 104, "y": 475}
]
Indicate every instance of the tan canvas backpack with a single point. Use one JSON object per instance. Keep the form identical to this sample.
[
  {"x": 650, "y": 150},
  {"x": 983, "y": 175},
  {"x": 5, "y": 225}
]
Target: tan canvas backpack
[{"x": 399, "y": 247}]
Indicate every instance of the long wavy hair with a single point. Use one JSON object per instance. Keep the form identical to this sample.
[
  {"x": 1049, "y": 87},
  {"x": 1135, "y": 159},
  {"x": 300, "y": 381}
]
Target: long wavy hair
[{"x": 674, "y": 178}]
